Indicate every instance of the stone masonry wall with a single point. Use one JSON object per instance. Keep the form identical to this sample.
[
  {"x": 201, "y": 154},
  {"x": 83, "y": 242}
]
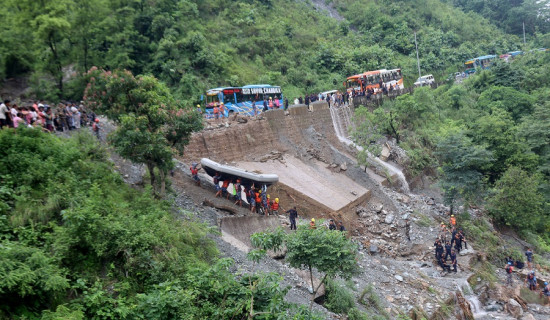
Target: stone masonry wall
[{"x": 259, "y": 136}]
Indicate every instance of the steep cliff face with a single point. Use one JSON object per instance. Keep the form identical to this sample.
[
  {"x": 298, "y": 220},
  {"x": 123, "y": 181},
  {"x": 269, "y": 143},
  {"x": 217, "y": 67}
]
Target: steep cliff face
[{"x": 296, "y": 133}]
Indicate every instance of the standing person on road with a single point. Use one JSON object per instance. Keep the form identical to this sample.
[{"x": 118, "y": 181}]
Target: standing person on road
[{"x": 292, "y": 214}]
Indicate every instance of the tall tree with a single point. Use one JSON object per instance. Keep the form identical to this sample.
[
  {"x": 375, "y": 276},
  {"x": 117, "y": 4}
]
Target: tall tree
[
  {"x": 461, "y": 165},
  {"x": 152, "y": 124}
]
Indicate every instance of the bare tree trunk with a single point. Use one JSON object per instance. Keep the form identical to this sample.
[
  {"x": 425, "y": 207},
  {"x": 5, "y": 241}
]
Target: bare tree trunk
[
  {"x": 162, "y": 175},
  {"x": 151, "y": 169}
]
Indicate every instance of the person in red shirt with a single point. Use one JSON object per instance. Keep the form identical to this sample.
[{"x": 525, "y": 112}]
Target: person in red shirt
[{"x": 216, "y": 112}]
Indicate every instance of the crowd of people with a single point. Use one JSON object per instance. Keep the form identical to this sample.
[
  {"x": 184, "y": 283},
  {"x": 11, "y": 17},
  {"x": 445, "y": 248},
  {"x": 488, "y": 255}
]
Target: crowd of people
[
  {"x": 531, "y": 278},
  {"x": 37, "y": 114},
  {"x": 448, "y": 245},
  {"x": 257, "y": 199}
]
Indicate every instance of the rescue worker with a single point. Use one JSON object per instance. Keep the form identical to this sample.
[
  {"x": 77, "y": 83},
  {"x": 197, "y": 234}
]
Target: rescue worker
[
  {"x": 443, "y": 264},
  {"x": 509, "y": 269},
  {"x": 531, "y": 280},
  {"x": 438, "y": 250},
  {"x": 252, "y": 198},
  {"x": 216, "y": 112},
  {"x": 195, "y": 173},
  {"x": 216, "y": 179},
  {"x": 341, "y": 226},
  {"x": 545, "y": 291},
  {"x": 312, "y": 224},
  {"x": 223, "y": 189},
  {"x": 331, "y": 225},
  {"x": 238, "y": 192},
  {"x": 292, "y": 214},
  {"x": 453, "y": 220},
  {"x": 258, "y": 201},
  {"x": 453, "y": 260},
  {"x": 199, "y": 110},
  {"x": 458, "y": 243},
  {"x": 275, "y": 207},
  {"x": 265, "y": 203},
  {"x": 447, "y": 249}
]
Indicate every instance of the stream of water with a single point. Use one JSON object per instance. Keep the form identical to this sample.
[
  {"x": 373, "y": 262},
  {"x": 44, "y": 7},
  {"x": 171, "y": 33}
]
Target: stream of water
[
  {"x": 473, "y": 300},
  {"x": 341, "y": 120}
]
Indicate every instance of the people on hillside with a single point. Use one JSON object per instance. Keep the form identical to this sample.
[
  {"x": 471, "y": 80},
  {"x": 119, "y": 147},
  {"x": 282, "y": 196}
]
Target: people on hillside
[
  {"x": 545, "y": 292},
  {"x": 341, "y": 226},
  {"x": 531, "y": 280},
  {"x": 312, "y": 224},
  {"x": 331, "y": 225},
  {"x": 509, "y": 273},
  {"x": 292, "y": 215},
  {"x": 195, "y": 174}
]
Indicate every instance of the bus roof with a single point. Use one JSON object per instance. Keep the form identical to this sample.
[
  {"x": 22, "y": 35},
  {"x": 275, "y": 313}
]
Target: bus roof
[
  {"x": 250, "y": 86},
  {"x": 490, "y": 56},
  {"x": 215, "y": 91}
]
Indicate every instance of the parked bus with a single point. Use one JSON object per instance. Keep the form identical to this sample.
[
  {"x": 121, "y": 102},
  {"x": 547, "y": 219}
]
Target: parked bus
[
  {"x": 483, "y": 62},
  {"x": 240, "y": 99},
  {"x": 372, "y": 79}
]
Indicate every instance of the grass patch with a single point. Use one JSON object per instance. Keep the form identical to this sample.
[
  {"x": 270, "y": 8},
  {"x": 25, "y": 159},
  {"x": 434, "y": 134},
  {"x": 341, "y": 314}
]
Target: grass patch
[
  {"x": 339, "y": 299},
  {"x": 532, "y": 296},
  {"x": 423, "y": 220},
  {"x": 372, "y": 301},
  {"x": 486, "y": 272},
  {"x": 431, "y": 290}
]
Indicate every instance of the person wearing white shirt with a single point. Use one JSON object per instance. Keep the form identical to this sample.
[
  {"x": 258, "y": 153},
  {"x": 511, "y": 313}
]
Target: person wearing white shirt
[{"x": 4, "y": 114}]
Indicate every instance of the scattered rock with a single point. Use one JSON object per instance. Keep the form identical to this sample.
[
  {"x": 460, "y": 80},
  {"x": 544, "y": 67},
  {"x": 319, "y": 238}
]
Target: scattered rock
[
  {"x": 389, "y": 218},
  {"x": 378, "y": 207},
  {"x": 373, "y": 249},
  {"x": 343, "y": 167},
  {"x": 528, "y": 316},
  {"x": 495, "y": 307},
  {"x": 399, "y": 278},
  {"x": 514, "y": 308}
]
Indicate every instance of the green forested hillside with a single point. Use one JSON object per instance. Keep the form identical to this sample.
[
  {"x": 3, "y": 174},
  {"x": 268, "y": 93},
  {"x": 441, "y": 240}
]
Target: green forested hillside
[{"x": 194, "y": 45}]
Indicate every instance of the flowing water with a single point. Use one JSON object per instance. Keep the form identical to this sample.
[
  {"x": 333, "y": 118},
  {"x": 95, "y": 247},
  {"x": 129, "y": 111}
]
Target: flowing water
[
  {"x": 341, "y": 120},
  {"x": 473, "y": 300}
]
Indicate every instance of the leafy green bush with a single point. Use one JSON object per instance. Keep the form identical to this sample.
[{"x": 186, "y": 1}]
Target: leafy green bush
[
  {"x": 339, "y": 299},
  {"x": 76, "y": 242}
]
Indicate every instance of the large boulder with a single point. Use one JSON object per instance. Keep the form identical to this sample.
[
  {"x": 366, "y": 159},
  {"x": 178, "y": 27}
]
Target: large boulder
[{"x": 514, "y": 308}]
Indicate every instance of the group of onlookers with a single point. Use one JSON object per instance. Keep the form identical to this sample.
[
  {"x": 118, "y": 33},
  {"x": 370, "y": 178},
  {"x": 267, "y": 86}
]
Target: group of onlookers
[{"x": 37, "y": 114}]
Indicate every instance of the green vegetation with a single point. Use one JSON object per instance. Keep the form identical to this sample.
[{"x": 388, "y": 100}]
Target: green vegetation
[
  {"x": 372, "y": 302},
  {"x": 488, "y": 140},
  {"x": 193, "y": 45},
  {"x": 328, "y": 252},
  {"x": 151, "y": 123},
  {"x": 77, "y": 243}
]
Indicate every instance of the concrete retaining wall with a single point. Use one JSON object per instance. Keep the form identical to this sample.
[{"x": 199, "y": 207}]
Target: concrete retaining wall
[{"x": 273, "y": 130}]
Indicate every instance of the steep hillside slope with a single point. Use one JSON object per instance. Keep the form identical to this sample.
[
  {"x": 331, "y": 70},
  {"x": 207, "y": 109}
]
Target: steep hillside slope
[{"x": 194, "y": 45}]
